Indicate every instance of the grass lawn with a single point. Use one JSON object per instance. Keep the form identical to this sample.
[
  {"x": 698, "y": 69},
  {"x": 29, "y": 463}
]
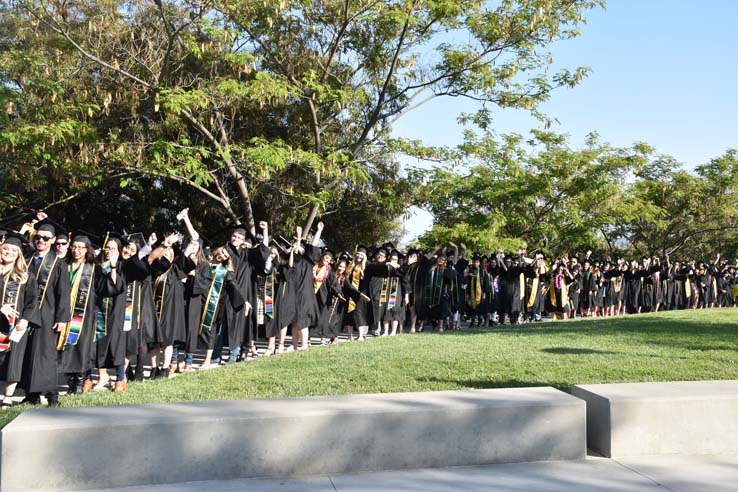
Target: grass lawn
[{"x": 671, "y": 346}]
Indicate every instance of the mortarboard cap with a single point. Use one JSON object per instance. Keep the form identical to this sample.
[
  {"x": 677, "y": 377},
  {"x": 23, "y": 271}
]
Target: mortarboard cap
[
  {"x": 45, "y": 225},
  {"x": 13, "y": 239}
]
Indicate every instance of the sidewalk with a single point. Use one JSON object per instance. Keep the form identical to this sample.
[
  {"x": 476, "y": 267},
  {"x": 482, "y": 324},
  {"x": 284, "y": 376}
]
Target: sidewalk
[{"x": 718, "y": 473}]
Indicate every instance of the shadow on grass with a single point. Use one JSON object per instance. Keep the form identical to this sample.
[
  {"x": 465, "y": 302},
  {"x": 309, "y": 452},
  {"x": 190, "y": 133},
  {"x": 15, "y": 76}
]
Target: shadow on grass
[
  {"x": 716, "y": 332},
  {"x": 495, "y": 383},
  {"x": 577, "y": 351}
]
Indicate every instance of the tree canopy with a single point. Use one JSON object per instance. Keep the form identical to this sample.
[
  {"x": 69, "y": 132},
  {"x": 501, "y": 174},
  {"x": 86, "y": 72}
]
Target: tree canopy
[{"x": 276, "y": 108}]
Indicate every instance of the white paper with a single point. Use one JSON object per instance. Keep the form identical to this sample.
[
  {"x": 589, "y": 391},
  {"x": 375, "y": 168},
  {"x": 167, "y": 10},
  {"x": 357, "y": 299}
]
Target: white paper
[{"x": 16, "y": 335}]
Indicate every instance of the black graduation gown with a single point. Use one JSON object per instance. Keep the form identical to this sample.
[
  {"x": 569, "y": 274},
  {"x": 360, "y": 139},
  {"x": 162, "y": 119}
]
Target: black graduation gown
[
  {"x": 41, "y": 357},
  {"x": 509, "y": 290},
  {"x": 110, "y": 350},
  {"x": 438, "y": 287},
  {"x": 353, "y": 293},
  {"x": 77, "y": 359},
  {"x": 169, "y": 300},
  {"x": 230, "y": 300},
  {"x": 485, "y": 286},
  {"x": 308, "y": 312},
  {"x": 382, "y": 288},
  {"x": 140, "y": 294},
  {"x": 535, "y": 301},
  {"x": 23, "y": 296},
  {"x": 331, "y": 314},
  {"x": 285, "y": 302},
  {"x": 632, "y": 285},
  {"x": 196, "y": 287}
]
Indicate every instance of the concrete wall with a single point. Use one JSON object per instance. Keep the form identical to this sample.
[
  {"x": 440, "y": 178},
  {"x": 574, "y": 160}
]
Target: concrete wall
[
  {"x": 100, "y": 447},
  {"x": 690, "y": 417}
]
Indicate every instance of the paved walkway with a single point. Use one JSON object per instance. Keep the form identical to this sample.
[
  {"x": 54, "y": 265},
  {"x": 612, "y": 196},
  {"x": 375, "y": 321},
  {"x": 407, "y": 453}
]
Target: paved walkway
[{"x": 717, "y": 473}]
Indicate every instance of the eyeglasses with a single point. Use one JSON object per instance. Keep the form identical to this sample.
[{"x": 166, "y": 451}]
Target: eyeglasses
[
  {"x": 60, "y": 244},
  {"x": 42, "y": 238}
]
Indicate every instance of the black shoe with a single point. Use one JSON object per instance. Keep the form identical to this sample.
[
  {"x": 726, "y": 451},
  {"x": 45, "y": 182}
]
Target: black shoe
[
  {"x": 163, "y": 374},
  {"x": 73, "y": 383},
  {"x": 155, "y": 373},
  {"x": 130, "y": 376},
  {"x": 242, "y": 356},
  {"x": 53, "y": 399},
  {"x": 139, "y": 374},
  {"x": 32, "y": 399}
]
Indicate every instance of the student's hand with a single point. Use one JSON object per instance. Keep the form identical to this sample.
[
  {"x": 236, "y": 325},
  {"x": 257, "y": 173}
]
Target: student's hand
[
  {"x": 113, "y": 256},
  {"x": 22, "y": 325},
  {"x": 152, "y": 239},
  {"x": 41, "y": 216},
  {"x": 263, "y": 225},
  {"x": 320, "y": 226},
  {"x": 9, "y": 311},
  {"x": 365, "y": 297},
  {"x": 247, "y": 309},
  {"x": 58, "y": 327}
]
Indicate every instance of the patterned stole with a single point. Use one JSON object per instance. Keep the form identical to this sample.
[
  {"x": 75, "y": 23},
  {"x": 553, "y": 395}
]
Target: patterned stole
[
  {"x": 101, "y": 324},
  {"x": 10, "y": 295},
  {"x": 534, "y": 290},
  {"x": 216, "y": 287},
  {"x": 388, "y": 294},
  {"x": 81, "y": 287},
  {"x": 269, "y": 296},
  {"x": 130, "y": 306}
]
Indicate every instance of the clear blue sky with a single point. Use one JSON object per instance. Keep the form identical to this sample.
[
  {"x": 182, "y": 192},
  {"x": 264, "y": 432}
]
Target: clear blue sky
[{"x": 663, "y": 72}]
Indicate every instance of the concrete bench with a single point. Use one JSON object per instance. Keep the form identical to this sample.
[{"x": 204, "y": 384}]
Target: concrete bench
[
  {"x": 98, "y": 447},
  {"x": 689, "y": 417}
]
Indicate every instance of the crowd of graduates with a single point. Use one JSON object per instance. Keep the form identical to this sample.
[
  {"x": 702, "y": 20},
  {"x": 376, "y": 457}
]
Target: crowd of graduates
[{"x": 70, "y": 306}]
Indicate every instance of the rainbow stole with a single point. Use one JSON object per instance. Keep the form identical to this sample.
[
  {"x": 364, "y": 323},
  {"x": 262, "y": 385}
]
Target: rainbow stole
[
  {"x": 216, "y": 287},
  {"x": 388, "y": 293},
  {"x": 9, "y": 296},
  {"x": 101, "y": 325},
  {"x": 81, "y": 288},
  {"x": 269, "y": 296}
]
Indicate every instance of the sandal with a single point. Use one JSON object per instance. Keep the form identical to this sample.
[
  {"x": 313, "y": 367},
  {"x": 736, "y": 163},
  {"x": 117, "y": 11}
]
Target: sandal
[{"x": 7, "y": 403}]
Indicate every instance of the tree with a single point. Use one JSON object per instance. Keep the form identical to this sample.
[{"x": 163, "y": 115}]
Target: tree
[
  {"x": 243, "y": 101},
  {"x": 539, "y": 193}
]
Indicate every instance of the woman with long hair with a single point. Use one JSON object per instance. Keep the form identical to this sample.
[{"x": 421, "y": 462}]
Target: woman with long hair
[{"x": 18, "y": 307}]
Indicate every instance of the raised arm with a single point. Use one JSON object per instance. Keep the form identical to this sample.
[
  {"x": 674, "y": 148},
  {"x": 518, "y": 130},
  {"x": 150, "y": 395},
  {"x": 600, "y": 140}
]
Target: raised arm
[
  {"x": 185, "y": 217},
  {"x": 316, "y": 237}
]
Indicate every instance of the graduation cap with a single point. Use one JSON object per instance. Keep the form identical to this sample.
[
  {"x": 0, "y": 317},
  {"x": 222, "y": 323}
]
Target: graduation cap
[
  {"x": 46, "y": 225},
  {"x": 362, "y": 248},
  {"x": 119, "y": 239},
  {"x": 285, "y": 243},
  {"x": 327, "y": 251},
  {"x": 476, "y": 257},
  {"x": 399, "y": 255},
  {"x": 389, "y": 246},
  {"x": 136, "y": 238},
  {"x": 79, "y": 238},
  {"x": 413, "y": 251},
  {"x": 508, "y": 257},
  {"x": 381, "y": 249},
  {"x": 14, "y": 239},
  {"x": 277, "y": 245},
  {"x": 345, "y": 254},
  {"x": 485, "y": 258}
]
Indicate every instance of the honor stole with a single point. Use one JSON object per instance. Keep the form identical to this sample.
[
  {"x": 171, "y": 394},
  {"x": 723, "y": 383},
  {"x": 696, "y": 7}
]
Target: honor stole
[
  {"x": 216, "y": 287},
  {"x": 10, "y": 295},
  {"x": 101, "y": 324}
]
